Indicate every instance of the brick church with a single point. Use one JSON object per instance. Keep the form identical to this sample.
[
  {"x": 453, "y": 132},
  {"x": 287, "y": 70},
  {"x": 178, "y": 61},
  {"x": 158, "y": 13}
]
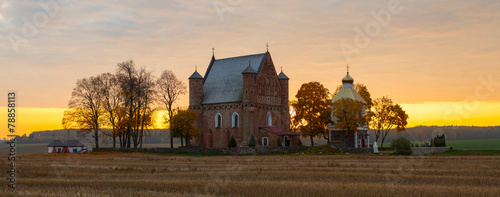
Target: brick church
[{"x": 241, "y": 97}]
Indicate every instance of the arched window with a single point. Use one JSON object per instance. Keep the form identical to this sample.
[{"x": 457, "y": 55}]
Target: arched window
[
  {"x": 218, "y": 120},
  {"x": 269, "y": 119},
  {"x": 236, "y": 120},
  {"x": 265, "y": 141}
]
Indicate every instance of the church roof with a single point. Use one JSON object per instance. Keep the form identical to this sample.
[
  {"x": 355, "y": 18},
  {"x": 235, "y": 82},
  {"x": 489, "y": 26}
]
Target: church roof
[
  {"x": 278, "y": 130},
  {"x": 249, "y": 69},
  {"x": 223, "y": 80},
  {"x": 282, "y": 76},
  {"x": 347, "y": 79},
  {"x": 348, "y": 93},
  {"x": 196, "y": 75}
]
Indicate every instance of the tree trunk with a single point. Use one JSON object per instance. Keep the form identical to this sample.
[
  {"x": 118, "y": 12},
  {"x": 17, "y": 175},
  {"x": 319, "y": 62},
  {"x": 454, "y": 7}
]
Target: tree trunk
[
  {"x": 171, "y": 141},
  {"x": 120, "y": 139},
  {"x": 114, "y": 139},
  {"x": 312, "y": 142},
  {"x": 182, "y": 142},
  {"x": 128, "y": 137},
  {"x": 96, "y": 138}
]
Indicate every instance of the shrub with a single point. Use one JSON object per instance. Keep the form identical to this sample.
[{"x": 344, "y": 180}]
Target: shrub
[
  {"x": 299, "y": 143},
  {"x": 439, "y": 141},
  {"x": 401, "y": 146},
  {"x": 278, "y": 142},
  {"x": 232, "y": 142},
  {"x": 252, "y": 142},
  {"x": 322, "y": 150}
]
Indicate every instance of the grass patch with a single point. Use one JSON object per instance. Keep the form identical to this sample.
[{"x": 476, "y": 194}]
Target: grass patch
[
  {"x": 455, "y": 152},
  {"x": 484, "y": 144}
]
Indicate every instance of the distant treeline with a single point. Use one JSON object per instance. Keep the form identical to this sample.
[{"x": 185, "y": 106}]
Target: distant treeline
[
  {"x": 152, "y": 136},
  {"x": 159, "y": 136},
  {"x": 425, "y": 133}
]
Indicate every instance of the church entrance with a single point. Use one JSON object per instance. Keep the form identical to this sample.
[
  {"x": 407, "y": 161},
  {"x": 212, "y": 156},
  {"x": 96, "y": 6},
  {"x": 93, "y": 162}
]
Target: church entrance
[
  {"x": 362, "y": 141},
  {"x": 287, "y": 140}
]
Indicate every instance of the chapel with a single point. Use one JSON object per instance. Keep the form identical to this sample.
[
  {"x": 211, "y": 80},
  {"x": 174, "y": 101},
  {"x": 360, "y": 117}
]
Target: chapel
[{"x": 241, "y": 97}]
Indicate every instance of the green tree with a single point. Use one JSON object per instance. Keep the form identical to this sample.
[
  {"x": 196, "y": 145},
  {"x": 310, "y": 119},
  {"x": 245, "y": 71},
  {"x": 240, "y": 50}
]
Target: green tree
[
  {"x": 252, "y": 142},
  {"x": 312, "y": 110},
  {"x": 349, "y": 116},
  {"x": 182, "y": 125},
  {"x": 384, "y": 116},
  {"x": 232, "y": 142},
  {"x": 401, "y": 146}
]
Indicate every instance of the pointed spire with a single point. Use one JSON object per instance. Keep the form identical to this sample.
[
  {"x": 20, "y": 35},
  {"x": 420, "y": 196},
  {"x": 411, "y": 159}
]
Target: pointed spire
[
  {"x": 195, "y": 75},
  {"x": 213, "y": 51},
  {"x": 267, "y": 47},
  {"x": 347, "y": 79},
  {"x": 282, "y": 75},
  {"x": 249, "y": 69}
]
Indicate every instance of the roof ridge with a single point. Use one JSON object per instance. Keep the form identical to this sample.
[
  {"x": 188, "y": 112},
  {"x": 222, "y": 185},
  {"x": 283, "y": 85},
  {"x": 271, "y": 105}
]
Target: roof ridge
[{"x": 241, "y": 56}]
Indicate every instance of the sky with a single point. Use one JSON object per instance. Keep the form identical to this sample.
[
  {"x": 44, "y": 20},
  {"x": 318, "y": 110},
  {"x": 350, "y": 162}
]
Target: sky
[{"x": 438, "y": 59}]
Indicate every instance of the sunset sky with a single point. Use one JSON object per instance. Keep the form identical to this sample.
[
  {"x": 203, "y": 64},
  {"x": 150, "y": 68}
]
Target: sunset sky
[{"x": 439, "y": 60}]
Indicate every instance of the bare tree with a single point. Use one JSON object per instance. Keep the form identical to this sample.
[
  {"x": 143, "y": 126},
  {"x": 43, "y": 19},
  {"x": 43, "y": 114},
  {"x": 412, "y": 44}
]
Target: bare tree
[
  {"x": 86, "y": 107},
  {"x": 137, "y": 88},
  {"x": 169, "y": 89},
  {"x": 112, "y": 100}
]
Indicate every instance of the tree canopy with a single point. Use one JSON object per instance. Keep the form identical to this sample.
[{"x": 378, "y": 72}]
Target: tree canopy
[
  {"x": 312, "y": 110},
  {"x": 182, "y": 125},
  {"x": 349, "y": 115},
  {"x": 386, "y": 115}
]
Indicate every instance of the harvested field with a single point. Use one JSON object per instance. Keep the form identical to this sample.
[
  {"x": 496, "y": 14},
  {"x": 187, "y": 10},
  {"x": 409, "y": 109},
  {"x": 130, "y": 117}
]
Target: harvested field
[{"x": 135, "y": 174}]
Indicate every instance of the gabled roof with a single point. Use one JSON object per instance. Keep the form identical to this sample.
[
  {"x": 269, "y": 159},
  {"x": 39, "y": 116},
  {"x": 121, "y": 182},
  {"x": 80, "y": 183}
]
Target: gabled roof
[
  {"x": 196, "y": 75},
  {"x": 68, "y": 143},
  {"x": 56, "y": 143},
  {"x": 249, "y": 69},
  {"x": 282, "y": 76},
  {"x": 223, "y": 80},
  {"x": 348, "y": 93},
  {"x": 278, "y": 130},
  {"x": 74, "y": 143}
]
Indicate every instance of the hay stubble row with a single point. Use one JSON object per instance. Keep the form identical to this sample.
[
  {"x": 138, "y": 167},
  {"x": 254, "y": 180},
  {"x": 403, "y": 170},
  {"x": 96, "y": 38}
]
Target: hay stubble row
[{"x": 134, "y": 174}]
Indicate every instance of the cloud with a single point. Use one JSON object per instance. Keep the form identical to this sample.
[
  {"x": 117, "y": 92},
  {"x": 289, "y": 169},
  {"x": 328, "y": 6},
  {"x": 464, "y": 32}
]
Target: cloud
[{"x": 431, "y": 51}]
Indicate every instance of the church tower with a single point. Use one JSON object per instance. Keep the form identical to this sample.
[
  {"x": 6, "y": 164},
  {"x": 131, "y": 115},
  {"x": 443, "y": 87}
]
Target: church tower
[
  {"x": 249, "y": 78},
  {"x": 195, "y": 89}
]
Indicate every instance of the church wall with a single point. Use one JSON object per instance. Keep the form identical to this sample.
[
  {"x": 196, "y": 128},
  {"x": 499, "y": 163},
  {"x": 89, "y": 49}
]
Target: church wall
[{"x": 262, "y": 93}]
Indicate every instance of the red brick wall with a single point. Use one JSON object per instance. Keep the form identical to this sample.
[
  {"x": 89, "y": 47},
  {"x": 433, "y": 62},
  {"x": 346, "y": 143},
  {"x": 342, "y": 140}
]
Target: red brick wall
[{"x": 262, "y": 93}]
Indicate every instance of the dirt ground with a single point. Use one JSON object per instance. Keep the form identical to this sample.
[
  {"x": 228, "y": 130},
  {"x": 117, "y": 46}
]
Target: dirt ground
[{"x": 135, "y": 174}]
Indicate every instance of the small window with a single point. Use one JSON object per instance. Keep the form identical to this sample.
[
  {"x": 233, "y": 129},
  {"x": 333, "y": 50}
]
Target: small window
[
  {"x": 265, "y": 141},
  {"x": 269, "y": 119},
  {"x": 236, "y": 121},
  {"x": 218, "y": 120}
]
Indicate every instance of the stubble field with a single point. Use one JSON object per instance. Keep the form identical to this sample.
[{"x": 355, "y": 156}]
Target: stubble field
[{"x": 135, "y": 174}]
